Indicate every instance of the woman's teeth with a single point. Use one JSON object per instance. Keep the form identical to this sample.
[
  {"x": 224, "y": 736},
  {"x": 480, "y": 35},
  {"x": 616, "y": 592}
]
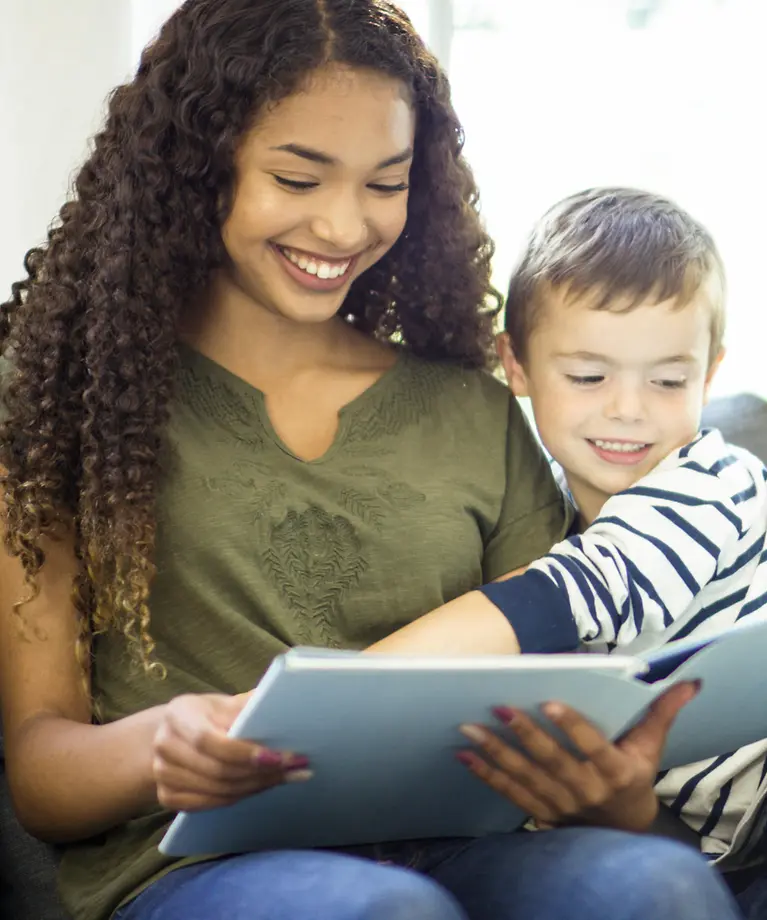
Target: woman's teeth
[
  {"x": 323, "y": 270},
  {"x": 622, "y": 447}
]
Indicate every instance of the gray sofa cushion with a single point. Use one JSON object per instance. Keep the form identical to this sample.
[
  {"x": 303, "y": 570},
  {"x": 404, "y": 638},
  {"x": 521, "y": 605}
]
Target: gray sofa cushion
[
  {"x": 742, "y": 420},
  {"x": 27, "y": 870}
]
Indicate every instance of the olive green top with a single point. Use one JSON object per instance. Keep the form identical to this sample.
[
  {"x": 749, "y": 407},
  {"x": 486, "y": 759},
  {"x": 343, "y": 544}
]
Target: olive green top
[{"x": 433, "y": 485}]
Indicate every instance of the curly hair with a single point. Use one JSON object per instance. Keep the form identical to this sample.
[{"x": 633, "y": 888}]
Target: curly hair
[{"x": 91, "y": 332}]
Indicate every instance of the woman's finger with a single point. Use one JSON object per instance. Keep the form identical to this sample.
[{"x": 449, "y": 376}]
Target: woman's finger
[
  {"x": 524, "y": 772},
  {"x": 610, "y": 763},
  {"x": 189, "y": 801},
  {"x": 183, "y": 780},
  {"x": 505, "y": 785},
  {"x": 583, "y": 779},
  {"x": 189, "y": 726},
  {"x": 182, "y": 800},
  {"x": 648, "y": 737},
  {"x": 177, "y": 752},
  {"x": 201, "y": 736}
]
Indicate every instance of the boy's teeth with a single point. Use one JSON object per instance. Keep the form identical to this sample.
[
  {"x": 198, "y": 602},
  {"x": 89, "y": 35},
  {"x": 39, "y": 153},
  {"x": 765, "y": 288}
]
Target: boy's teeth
[
  {"x": 619, "y": 446},
  {"x": 322, "y": 270}
]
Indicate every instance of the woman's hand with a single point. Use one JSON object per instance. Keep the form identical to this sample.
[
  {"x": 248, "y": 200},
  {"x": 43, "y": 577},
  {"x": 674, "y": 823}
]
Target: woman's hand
[
  {"x": 612, "y": 786},
  {"x": 196, "y": 766}
]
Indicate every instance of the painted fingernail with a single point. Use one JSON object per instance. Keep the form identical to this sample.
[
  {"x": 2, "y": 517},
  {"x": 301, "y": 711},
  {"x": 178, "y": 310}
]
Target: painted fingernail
[
  {"x": 296, "y": 762},
  {"x": 697, "y": 686},
  {"x": 554, "y": 710},
  {"x": 505, "y": 713},
  {"x": 266, "y": 758},
  {"x": 298, "y": 776},
  {"x": 474, "y": 733},
  {"x": 464, "y": 757}
]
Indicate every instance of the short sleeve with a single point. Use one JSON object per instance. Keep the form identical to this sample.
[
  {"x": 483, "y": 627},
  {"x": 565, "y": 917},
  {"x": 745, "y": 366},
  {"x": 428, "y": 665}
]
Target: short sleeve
[{"x": 534, "y": 513}]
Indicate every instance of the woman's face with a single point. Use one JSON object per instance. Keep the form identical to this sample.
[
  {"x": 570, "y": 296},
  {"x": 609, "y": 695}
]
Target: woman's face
[{"x": 321, "y": 192}]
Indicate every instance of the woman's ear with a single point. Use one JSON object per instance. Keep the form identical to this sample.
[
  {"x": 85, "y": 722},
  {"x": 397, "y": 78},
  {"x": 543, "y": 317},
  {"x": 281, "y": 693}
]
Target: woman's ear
[{"x": 515, "y": 373}]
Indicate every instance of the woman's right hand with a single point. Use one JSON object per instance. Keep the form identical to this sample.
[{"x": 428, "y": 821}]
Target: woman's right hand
[{"x": 195, "y": 764}]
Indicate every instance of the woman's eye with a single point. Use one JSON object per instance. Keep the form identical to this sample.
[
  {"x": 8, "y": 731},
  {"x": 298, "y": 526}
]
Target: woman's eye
[
  {"x": 389, "y": 189},
  {"x": 295, "y": 184},
  {"x": 586, "y": 380}
]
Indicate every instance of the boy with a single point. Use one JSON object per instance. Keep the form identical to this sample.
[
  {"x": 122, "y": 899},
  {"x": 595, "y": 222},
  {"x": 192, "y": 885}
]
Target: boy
[{"x": 614, "y": 327}]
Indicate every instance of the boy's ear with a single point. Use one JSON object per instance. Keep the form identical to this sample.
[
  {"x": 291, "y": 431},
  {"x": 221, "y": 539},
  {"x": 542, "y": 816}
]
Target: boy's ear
[
  {"x": 515, "y": 373},
  {"x": 712, "y": 373}
]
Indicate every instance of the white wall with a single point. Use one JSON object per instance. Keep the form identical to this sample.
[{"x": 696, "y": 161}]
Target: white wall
[
  {"x": 58, "y": 61},
  {"x": 148, "y": 16},
  {"x": 580, "y": 99}
]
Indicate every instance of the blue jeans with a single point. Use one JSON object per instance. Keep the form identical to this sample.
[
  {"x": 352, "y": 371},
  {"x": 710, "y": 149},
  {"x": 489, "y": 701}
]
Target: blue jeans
[{"x": 577, "y": 873}]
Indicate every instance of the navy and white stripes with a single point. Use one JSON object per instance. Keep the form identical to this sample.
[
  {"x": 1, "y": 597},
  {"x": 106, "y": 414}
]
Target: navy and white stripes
[{"x": 682, "y": 552}]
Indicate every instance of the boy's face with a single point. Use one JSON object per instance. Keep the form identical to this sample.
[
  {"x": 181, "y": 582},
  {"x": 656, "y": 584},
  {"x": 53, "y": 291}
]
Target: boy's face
[{"x": 613, "y": 393}]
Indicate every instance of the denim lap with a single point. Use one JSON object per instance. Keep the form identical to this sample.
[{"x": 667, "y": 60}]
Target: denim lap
[{"x": 578, "y": 873}]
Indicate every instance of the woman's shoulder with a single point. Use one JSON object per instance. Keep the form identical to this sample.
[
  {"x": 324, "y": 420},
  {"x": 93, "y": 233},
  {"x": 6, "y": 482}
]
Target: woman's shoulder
[{"x": 460, "y": 387}]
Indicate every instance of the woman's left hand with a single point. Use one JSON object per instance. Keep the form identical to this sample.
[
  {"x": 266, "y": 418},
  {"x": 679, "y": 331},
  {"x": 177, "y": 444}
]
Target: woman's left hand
[{"x": 611, "y": 786}]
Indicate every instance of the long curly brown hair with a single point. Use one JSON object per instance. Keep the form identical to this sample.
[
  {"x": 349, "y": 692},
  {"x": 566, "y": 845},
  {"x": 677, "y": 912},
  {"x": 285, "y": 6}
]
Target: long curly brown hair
[{"x": 91, "y": 331}]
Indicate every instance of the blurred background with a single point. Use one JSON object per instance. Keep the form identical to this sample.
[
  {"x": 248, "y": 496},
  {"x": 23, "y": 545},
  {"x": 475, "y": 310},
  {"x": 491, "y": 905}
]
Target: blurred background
[{"x": 555, "y": 96}]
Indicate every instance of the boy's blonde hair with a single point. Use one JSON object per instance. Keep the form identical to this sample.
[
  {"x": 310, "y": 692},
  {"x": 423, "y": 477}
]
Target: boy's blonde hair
[{"x": 620, "y": 247}]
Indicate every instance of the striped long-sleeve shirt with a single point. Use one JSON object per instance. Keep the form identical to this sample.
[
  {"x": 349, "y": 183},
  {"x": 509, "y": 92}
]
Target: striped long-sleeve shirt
[{"x": 682, "y": 552}]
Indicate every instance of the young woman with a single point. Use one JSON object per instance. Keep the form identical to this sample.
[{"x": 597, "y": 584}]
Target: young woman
[{"x": 245, "y": 392}]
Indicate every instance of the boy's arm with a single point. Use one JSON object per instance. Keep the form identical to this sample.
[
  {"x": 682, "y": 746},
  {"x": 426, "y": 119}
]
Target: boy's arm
[
  {"x": 638, "y": 567},
  {"x": 469, "y": 625}
]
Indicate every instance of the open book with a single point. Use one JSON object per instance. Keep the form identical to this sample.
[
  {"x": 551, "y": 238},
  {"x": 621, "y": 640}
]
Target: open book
[{"x": 381, "y": 733}]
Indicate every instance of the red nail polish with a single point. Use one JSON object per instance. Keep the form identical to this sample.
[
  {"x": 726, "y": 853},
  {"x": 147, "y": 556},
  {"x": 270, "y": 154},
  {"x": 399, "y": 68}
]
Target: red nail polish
[
  {"x": 297, "y": 763},
  {"x": 505, "y": 714},
  {"x": 464, "y": 757},
  {"x": 265, "y": 758}
]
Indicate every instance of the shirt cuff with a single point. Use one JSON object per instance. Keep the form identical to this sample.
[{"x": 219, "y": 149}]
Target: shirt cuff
[{"x": 538, "y": 611}]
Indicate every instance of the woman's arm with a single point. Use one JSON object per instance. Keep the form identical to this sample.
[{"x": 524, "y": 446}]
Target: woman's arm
[{"x": 70, "y": 779}]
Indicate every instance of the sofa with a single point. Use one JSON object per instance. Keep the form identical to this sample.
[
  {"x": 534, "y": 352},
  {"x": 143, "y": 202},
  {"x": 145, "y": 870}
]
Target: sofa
[{"x": 27, "y": 867}]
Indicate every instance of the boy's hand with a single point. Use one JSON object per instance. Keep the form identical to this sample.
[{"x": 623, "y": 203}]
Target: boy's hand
[
  {"x": 196, "y": 765},
  {"x": 612, "y": 786}
]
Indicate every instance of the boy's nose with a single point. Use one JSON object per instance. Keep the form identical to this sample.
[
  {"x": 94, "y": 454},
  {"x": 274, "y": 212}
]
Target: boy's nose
[{"x": 626, "y": 405}]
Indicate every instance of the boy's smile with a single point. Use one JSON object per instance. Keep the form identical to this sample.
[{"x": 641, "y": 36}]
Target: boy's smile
[
  {"x": 624, "y": 453},
  {"x": 614, "y": 392}
]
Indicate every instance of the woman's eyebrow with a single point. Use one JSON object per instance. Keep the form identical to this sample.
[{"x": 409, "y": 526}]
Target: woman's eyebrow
[{"x": 317, "y": 156}]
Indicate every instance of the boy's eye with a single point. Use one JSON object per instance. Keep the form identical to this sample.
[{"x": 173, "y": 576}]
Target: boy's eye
[
  {"x": 389, "y": 189},
  {"x": 295, "y": 184},
  {"x": 671, "y": 384},
  {"x": 585, "y": 380}
]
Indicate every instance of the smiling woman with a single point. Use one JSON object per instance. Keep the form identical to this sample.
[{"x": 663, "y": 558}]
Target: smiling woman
[{"x": 321, "y": 191}]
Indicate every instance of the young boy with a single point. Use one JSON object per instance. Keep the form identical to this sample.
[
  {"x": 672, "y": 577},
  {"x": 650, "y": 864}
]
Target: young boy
[
  {"x": 614, "y": 323},
  {"x": 614, "y": 327}
]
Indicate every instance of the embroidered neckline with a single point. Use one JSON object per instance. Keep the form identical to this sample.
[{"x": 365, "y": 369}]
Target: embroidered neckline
[{"x": 239, "y": 389}]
